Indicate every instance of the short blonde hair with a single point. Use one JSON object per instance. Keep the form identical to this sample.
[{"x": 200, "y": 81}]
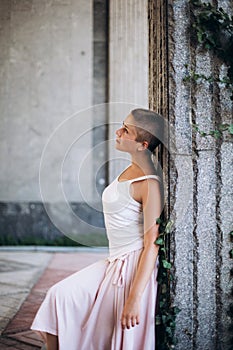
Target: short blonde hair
[{"x": 149, "y": 127}]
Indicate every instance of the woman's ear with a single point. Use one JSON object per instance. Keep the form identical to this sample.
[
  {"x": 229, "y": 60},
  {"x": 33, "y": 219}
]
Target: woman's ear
[{"x": 144, "y": 145}]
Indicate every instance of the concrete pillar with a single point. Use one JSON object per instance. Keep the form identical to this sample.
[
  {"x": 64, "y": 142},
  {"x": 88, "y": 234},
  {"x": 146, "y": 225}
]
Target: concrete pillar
[{"x": 128, "y": 68}]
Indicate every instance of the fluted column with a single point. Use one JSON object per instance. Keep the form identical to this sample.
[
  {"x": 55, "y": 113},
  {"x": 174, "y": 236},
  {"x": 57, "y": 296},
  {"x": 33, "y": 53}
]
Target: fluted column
[{"x": 128, "y": 67}]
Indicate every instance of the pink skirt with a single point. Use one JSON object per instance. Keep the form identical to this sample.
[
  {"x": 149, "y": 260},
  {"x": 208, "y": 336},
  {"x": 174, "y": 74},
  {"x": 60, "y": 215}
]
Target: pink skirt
[{"x": 84, "y": 310}]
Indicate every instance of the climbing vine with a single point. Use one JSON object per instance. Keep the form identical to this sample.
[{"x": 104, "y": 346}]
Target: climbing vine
[
  {"x": 218, "y": 132},
  {"x": 212, "y": 28},
  {"x": 166, "y": 312}
]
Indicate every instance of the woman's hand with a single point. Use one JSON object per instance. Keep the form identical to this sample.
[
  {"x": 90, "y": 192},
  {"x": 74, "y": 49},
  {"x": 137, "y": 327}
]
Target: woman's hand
[{"x": 130, "y": 314}]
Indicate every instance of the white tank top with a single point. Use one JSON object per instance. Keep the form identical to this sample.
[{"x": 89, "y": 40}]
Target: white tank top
[{"x": 123, "y": 217}]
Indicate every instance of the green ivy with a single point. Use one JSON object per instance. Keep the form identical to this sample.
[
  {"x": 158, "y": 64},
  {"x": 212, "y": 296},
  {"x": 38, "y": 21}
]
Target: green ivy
[
  {"x": 212, "y": 28},
  {"x": 217, "y": 133},
  {"x": 166, "y": 313},
  {"x": 192, "y": 76}
]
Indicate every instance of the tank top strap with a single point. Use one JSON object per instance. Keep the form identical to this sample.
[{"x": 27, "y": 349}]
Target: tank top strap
[{"x": 145, "y": 177}]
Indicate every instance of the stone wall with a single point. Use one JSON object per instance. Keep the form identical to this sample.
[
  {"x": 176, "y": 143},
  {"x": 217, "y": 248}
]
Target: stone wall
[
  {"x": 197, "y": 176},
  {"x": 53, "y": 58},
  {"x": 46, "y": 76}
]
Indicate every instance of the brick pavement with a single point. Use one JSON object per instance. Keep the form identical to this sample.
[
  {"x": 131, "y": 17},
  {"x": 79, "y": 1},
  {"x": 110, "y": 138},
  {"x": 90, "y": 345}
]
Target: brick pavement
[{"x": 17, "y": 333}]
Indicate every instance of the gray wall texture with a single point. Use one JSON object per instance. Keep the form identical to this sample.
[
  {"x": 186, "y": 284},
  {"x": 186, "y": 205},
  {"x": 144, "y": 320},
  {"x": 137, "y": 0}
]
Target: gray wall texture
[
  {"x": 53, "y": 63},
  {"x": 198, "y": 177},
  {"x": 46, "y": 76}
]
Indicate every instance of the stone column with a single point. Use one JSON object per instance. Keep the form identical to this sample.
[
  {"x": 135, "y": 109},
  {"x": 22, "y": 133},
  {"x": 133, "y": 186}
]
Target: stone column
[
  {"x": 128, "y": 67},
  {"x": 197, "y": 176}
]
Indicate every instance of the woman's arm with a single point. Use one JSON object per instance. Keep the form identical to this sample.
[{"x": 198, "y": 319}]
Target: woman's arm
[{"x": 151, "y": 201}]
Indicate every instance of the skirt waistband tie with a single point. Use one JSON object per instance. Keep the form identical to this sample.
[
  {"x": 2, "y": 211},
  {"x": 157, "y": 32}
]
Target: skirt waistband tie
[{"x": 120, "y": 270}]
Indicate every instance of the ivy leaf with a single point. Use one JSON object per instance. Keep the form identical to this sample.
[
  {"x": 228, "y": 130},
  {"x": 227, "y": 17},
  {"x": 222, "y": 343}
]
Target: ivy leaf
[
  {"x": 200, "y": 37},
  {"x": 203, "y": 133},
  {"x": 169, "y": 331},
  {"x": 195, "y": 127},
  {"x": 166, "y": 264},
  {"x": 171, "y": 277},
  {"x": 215, "y": 133},
  {"x": 176, "y": 310},
  {"x": 169, "y": 226},
  {"x": 162, "y": 303},
  {"x": 158, "y": 221},
  {"x": 173, "y": 324},
  {"x": 230, "y": 129},
  {"x": 159, "y": 241},
  {"x": 224, "y": 127}
]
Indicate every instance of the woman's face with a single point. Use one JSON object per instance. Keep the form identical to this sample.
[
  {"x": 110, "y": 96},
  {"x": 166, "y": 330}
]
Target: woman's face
[{"x": 126, "y": 136}]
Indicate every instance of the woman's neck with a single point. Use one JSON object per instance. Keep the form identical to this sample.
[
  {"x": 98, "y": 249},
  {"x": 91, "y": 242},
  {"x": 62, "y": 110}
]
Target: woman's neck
[{"x": 142, "y": 164}]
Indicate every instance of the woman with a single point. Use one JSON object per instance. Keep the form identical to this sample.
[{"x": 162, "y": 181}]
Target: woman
[{"x": 110, "y": 305}]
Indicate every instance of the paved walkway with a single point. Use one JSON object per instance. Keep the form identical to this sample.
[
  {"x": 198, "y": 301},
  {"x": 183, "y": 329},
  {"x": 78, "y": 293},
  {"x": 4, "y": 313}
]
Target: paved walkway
[{"x": 25, "y": 277}]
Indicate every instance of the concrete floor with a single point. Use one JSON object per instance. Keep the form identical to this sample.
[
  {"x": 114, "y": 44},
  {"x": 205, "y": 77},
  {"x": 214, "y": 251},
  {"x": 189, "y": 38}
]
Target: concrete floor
[{"x": 25, "y": 277}]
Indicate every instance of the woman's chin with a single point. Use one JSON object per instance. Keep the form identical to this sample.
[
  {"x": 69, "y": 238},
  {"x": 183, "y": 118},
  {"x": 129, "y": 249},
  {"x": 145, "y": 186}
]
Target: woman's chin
[{"x": 118, "y": 147}]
